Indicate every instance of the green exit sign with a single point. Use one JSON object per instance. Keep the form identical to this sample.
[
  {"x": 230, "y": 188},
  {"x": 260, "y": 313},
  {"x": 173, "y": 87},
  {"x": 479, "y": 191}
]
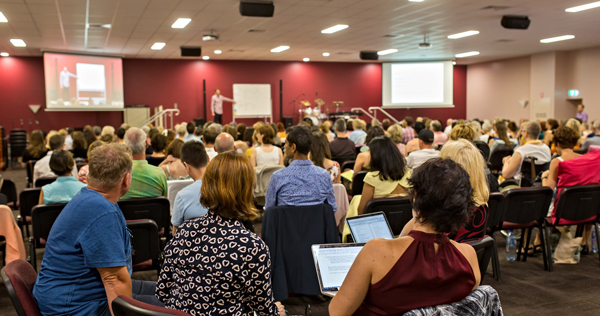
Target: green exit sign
[{"x": 573, "y": 93}]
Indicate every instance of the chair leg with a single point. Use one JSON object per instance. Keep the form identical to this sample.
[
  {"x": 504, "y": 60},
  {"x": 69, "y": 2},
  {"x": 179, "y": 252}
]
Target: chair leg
[
  {"x": 520, "y": 245},
  {"x": 597, "y": 239},
  {"x": 545, "y": 257},
  {"x": 496, "y": 263},
  {"x": 32, "y": 253},
  {"x": 548, "y": 249},
  {"x": 527, "y": 233}
]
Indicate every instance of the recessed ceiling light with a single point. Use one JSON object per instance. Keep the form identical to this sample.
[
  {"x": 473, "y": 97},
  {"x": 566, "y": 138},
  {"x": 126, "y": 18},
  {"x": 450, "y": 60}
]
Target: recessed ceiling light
[
  {"x": 158, "y": 46},
  {"x": 205, "y": 57},
  {"x": 17, "y": 42},
  {"x": 3, "y": 54},
  {"x": 584, "y": 7},
  {"x": 3, "y": 18},
  {"x": 326, "y": 54},
  {"x": 335, "y": 28},
  {"x": 218, "y": 52},
  {"x": 181, "y": 23},
  {"x": 415, "y": 0},
  {"x": 387, "y": 51},
  {"x": 467, "y": 54},
  {"x": 279, "y": 49},
  {"x": 557, "y": 39},
  {"x": 305, "y": 59},
  {"x": 463, "y": 34}
]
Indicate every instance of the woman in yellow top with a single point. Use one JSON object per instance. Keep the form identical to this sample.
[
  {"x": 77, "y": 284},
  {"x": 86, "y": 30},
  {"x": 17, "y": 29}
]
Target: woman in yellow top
[{"x": 388, "y": 178}]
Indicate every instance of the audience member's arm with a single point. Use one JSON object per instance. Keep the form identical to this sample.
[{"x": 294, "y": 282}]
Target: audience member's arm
[
  {"x": 361, "y": 161},
  {"x": 367, "y": 195},
  {"x": 116, "y": 282},
  {"x": 511, "y": 165},
  {"x": 165, "y": 185},
  {"x": 41, "y": 200},
  {"x": 271, "y": 197},
  {"x": 280, "y": 156},
  {"x": 253, "y": 157},
  {"x": 260, "y": 300},
  {"x": 330, "y": 196},
  {"x": 550, "y": 176}
]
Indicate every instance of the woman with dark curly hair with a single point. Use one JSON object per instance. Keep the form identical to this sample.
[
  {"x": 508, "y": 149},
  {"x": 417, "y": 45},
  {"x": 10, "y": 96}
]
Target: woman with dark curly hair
[{"x": 425, "y": 268}]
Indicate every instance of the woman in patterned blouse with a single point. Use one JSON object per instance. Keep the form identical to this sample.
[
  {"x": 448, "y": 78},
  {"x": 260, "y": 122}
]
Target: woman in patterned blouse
[{"x": 213, "y": 265}]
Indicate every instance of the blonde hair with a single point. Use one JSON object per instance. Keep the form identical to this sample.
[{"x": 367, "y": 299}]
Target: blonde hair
[
  {"x": 358, "y": 124},
  {"x": 108, "y": 130},
  {"x": 468, "y": 156},
  {"x": 396, "y": 134},
  {"x": 181, "y": 130}
]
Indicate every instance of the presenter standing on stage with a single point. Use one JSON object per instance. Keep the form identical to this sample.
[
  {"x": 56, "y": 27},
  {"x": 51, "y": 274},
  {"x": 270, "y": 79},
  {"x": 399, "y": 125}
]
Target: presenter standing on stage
[
  {"x": 217, "y": 106},
  {"x": 65, "y": 75}
]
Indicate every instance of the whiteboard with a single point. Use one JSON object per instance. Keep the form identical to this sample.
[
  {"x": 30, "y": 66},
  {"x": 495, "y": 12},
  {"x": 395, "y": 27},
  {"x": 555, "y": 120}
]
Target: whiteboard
[
  {"x": 252, "y": 100},
  {"x": 90, "y": 77}
]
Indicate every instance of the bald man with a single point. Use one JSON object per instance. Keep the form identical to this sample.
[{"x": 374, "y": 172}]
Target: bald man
[{"x": 224, "y": 142}]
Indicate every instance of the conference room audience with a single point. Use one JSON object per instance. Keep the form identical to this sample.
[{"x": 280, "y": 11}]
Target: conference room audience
[
  {"x": 241, "y": 130},
  {"x": 363, "y": 159},
  {"x": 425, "y": 268},
  {"x": 87, "y": 260},
  {"x": 231, "y": 131},
  {"x": 593, "y": 139},
  {"x": 191, "y": 130},
  {"x": 301, "y": 183},
  {"x": 486, "y": 132},
  {"x": 448, "y": 128},
  {"x": 341, "y": 146},
  {"x": 358, "y": 134},
  {"x": 158, "y": 145},
  {"x": 146, "y": 180},
  {"x": 224, "y": 142},
  {"x": 230, "y": 264},
  {"x": 36, "y": 148},
  {"x": 181, "y": 130},
  {"x": 533, "y": 147},
  {"x": 413, "y": 144},
  {"x": 463, "y": 131},
  {"x": 267, "y": 154},
  {"x": 97, "y": 131},
  {"x": 321, "y": 156},
  {"x": 501, "y": 136},
  {"x": 209, "y": 137},
  {"x": 66, "y": 186},
  {"x": 513, "y": 130},
  {"x": 397, "y": 136},
  {"x": 83, "y": 172},
  {"x": 172, "y": 166},
  {"x": 426, "y": 151},
  {"x": 349, "y": 127},
  {"x": 439, "y": 138},
  {"x": 281, "y": 131},
  {"x": 79, "y": 146},
  {"x": 409, "y": 132},
  {"x": 42, "y": 166},
  {"x": 121, "y": 135},
  {"x": 89, "y": 136}
]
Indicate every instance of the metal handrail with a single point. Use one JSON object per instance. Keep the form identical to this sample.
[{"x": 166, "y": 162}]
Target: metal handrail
[
  {"x": 374, "y": 109},
  {"x": 362, "y": 110},
  {"x": 160, "y": 114}
]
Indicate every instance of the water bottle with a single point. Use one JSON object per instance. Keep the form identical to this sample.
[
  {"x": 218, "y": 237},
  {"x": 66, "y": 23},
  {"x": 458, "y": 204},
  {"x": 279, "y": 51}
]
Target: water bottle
[
  {"x": 511, "y": 246},
  {"x": 577, "y": 255},
  {"x": 594, "y": 244}
]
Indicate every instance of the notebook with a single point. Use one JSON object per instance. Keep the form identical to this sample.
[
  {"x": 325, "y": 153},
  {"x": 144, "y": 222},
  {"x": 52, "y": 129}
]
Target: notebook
[
  {"x": 333, "y": 261},
  {"x": 369, "y": 226}
]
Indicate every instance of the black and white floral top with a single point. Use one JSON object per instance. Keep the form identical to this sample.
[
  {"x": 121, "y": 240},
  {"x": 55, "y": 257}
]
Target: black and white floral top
[{"x": 215, "y": 266}]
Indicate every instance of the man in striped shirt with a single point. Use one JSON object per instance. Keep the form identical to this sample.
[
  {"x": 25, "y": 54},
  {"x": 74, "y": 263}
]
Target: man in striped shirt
[{"x": 409, "y": 132}]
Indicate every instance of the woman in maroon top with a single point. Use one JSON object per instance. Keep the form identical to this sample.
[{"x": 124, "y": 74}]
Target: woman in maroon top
[{"x": 425, "y": 268}]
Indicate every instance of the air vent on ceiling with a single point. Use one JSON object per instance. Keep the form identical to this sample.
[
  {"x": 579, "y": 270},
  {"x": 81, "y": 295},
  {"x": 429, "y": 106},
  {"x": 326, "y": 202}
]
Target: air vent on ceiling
[
  {"x": 495, "y": 7},
  {"x": 98, "y": 26},
  {"x": 504, "y": 40},
  {"x": 256, "y": 31},
  {"x": 344, "y": 53},
  {"x": 236, "y": 51},
  {"x": 390, "y": 35}
]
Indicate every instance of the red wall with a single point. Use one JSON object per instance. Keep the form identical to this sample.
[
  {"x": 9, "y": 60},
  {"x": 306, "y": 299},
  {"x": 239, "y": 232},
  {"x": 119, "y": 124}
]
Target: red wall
[{"x": 164, "y": 82}]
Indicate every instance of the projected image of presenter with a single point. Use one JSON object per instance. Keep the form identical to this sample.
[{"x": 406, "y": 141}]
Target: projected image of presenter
[
  {"x": 217, "y": 105},
  {"x": 65, "y": 76}
]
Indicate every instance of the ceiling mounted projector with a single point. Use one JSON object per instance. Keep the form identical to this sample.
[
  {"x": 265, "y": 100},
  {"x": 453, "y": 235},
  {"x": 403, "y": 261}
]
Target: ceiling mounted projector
[
  {"x": 425, "y": 44},
  {"x": 210, "y": 37},
  {"x": 518, "y": 22}
]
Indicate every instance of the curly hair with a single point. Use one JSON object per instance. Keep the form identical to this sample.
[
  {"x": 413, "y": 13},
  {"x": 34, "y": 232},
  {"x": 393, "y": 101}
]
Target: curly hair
[
  {"x": 566, "y": 137},
  {"x": 462, "y": 131}
]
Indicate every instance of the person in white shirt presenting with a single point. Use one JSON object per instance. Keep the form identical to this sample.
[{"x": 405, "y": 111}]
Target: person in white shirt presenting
[
  {"x": 216, "y": 105},
  {"x": 65, "y": 83}
]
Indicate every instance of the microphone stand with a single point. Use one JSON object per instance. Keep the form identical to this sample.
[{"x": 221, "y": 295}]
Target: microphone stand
[{"x": 294, "y": 106}]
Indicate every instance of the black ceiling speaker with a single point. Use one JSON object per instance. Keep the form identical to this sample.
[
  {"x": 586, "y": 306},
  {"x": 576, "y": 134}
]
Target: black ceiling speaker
[
  {"x": 519, "y": 22},
  {"x": 191, "y": 51},
  {"x": 257, "y": 8},
  {"x": 368, "y": 55}
]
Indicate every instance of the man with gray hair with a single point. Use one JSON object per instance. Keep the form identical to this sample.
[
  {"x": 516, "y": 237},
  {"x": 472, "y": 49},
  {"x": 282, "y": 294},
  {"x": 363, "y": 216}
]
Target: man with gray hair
[
  {"x": 215, "y": 128},
  {"x": 533, "y": 148},
  {"x": 147, "y": 180},
  {"x": 594, "y": 139},
  {"x": 224, "y": 142},
  {"x": 341, "y": 146}
]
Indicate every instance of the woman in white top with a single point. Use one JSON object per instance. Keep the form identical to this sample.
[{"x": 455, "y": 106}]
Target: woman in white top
[{"x": 266, "y": 154}]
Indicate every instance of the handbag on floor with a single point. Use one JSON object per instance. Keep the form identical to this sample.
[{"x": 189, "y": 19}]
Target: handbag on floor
[{"x": 567, "y": 247}]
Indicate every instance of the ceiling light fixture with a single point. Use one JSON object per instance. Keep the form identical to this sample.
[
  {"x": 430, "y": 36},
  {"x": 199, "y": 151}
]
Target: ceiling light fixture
[
  {"x": 218, "y": 52},
  {"x": 326, "y": 54},
  {"x": 415, "y": 0},
  {"x": 158, "y": 46},
  {"x": 557, "y": 39},
  {"x": 279, "y": 49},
  {"x": 17, "y": 42},
  {"x": 305, "y": 59},
  {"x": 584, "y": 7},
  {"x": 3, "y": 18},
  {"x": 335, "y": 28},
  {"x": 387, "y": 51},
  {"x": 463, "y": 34},
  {"x": 181, "y": 23},
  {"x": 467, "y": 54},
  {"x": 4, "y": 54},
  {"x": 205, "y": 57}
]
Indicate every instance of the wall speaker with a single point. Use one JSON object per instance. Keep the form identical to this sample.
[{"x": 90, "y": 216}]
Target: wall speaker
[
  {"x": 191, "y": 51},
  {"x": 519, "y": 22},
  {"x": 288, "y": 121},
  {"x": 264, "y": 9},
  {"x": 368, "y": 55}
]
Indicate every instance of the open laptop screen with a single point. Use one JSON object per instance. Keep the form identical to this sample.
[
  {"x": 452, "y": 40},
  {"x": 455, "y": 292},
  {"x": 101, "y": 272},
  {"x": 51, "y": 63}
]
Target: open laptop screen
[
  {"x": 334, "y": 262},
  {"x": 369, "y": 226}
]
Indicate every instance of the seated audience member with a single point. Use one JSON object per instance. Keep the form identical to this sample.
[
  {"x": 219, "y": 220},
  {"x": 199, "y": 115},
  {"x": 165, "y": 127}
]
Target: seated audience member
[
  {"x": 281, "y": 132},
  {"x": 413, "y": 144},
  {"x": 513, "y": 130},
  {"x": 42, "y": 166},
  {"x": 80, "y": 147},
  {"x": 532, "y": 148},
  {"x": 181, "y": 130},
  {"x": 321, "y": 156},
  {"x": 397, "y": 136},
  {"x": 501, "y": 136},
  {"x": 209, "y": 137},
  {"x": 385, "y": 124},
  {"x": 97, "y": 131},
  {"x": 425, "y": 268},
  {"x": 158, "y": 144},
  {"x": 89, "y": 136},
  {"x": 241, "y": 130},
  {"x": 187, "y": 202},
  {"x": 439, "y": 138},
  {"x": 172, "y": 166},
  {"x": 463, "y": 131},
  {"x": 237, "y": 283},
  {"x": 426, "y": 151},
  {"x": 358, "y": 135},
  {"x": 248, "y": 137},
  {"x": 486, "y": 132},
  {"x": 107, "y": 130},
  {"x": 108, "y": 138},
  {"x": 276, "y": 138},
  {"x": 363, "y": 159},
  {"x": 146, "y": 180},
  {"x": 36, "y": 149},
  {"x": 349, "y": 127},
  {"x": 197, "y": 134},
  {"x": 69, "y": 138},
  {"x": 409, "y": 132},
  {"x": 231, "y": 131},
  {"x": 224, "y": 142},
  {"x": 87, "y": 261},
  {"x": 83, "y": 172},
  {"x": 301, "y": 183},
  {"x": 191, "y": 130},
  {"x": 592, "y": 138},
  {"x": 476, "y": 126},
  {"x": 266, "y": 154},
  {"x": 341, "y": 146},
  {"x": 66, "y": 185},
  {"x": 121, "y": 135},
  {"x": 448, "y": 128}
]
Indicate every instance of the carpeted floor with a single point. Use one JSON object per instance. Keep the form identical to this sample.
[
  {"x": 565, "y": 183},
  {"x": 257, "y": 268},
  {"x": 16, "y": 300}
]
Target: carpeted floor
[{"x": 525, "y": 288}]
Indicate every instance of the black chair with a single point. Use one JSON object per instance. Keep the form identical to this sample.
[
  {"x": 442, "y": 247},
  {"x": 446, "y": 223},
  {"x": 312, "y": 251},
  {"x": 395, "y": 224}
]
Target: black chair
[
  {"x": 43, "y": 181},
  {"x": 29, "y": 198},
  {"x": 157, "y": 209},
  {"x": 398, "y": 211},
  {"x": 30, "y": 165},
  {"x": 496, "y": 156},
  {"x": 3, "y": 199},
  {"x": 358, "y": 148},
  {"x": 127, "y": 306},
  {"x": 10, "y": 190},
  {"x": 493, "y": 224},
  {"x": 526, "y": 208},
  {"x": 530, "y": 172},
  {"x": 358, "y": 182},
  {"x": 144, "y": 245},
  {"x": 483, "y": 148},
  {"x": 485, "y": 249},
  {"x": 349, "y": 164},
  {"x": 343, "y": 160},
  {"x": 42, "y": 219}
]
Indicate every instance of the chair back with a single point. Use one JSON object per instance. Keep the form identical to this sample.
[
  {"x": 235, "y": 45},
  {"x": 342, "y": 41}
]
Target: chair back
[
  {"x": 3, "y": 199},
  {"x": 495, "y": 211},
  {"x": 42, "y": 219},
  {"x": 483, "y": 148},
  {"x": 342, "y": 160},
  {"x": 174, "y": 186},
  {"x": 155, "y": 208},
  {"x": 578, "y": 203},
  {"x": 358, "y": 181},
  {"x": 127, "y": 306},
  {"x": 19, "y": 279},
  {"x": 43, "y": 181},
  {"x": 348, "y": 164},
  {"x": 526, "y": 205},
  {"x": 10, "y": 190},
  {"x": 530, "y": 171},
  {"x": 263, "y": 176},
  {"x": 30, "y": 165},
  {"x": 144, "y": 244},
  {"x": 484, "y": 249},
  {"x": 397, "y": 210},
  {"x": 358, "y": 148},
  {"x": 497, "y": 155},
  {"x": 29, "y": 198},
  {"x": 593, "y": 148}
]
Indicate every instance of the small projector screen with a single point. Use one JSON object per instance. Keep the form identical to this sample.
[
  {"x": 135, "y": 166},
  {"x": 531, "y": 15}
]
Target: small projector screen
[
  {"x": 417, "y": 84},
  {"x": 83, "y": 83}
]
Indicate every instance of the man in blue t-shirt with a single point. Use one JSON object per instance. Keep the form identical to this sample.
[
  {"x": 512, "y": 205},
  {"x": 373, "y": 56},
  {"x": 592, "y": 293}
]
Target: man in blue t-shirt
[{"x": 87, "y": 261}]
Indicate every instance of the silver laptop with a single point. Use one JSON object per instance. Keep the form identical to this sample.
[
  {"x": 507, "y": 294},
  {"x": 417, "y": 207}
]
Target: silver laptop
[
  {"x": 333, "y": 261},
  {"x": 369, "y": 226}
]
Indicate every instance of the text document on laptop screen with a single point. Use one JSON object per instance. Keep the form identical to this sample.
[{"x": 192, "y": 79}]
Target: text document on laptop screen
[
  {"x": 369, "y": 227},
  {"x": 417, "y": 84},
  {"x": 334, "y": 264}
]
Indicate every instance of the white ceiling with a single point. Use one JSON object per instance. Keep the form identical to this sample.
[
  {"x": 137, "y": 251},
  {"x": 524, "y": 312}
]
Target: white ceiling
[{"x": 59, "y": 25}]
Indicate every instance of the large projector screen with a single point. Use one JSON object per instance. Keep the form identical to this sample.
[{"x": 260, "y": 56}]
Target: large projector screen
[
  {"x": 417, "y": 84},
  {"x": 83, "y": 83}
]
